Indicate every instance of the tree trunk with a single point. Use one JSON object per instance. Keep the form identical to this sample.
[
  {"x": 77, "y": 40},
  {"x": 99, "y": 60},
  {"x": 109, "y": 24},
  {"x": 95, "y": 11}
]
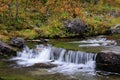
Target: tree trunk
[
  {"x": 17, "y": 9},
  {"x": 10, "y": 8}
]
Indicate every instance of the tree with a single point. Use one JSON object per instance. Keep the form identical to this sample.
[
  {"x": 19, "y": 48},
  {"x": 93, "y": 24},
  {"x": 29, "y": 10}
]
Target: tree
[
  {"x": 10, "y": 8},
  {"x": 16, "y": 9},
  {"x": 3, "y": 8}
]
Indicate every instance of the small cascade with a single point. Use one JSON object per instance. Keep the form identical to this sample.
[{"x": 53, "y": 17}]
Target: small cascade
[
  {"x": 29, "y": 57},
  {"x": 65, "y": 59},
  {"x": 76, "y": 57}
]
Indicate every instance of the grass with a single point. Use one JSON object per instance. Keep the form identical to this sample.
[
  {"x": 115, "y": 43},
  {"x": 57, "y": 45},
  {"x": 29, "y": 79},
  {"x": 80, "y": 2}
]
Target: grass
[
  {"x": 33, "y": 16},
  {"x": 115, "y": 21},
  {"x": 28, "y": 33}
]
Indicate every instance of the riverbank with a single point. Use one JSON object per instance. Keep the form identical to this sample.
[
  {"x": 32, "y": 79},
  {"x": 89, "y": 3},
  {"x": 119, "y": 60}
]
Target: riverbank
[{"x": 57, "y": 19}]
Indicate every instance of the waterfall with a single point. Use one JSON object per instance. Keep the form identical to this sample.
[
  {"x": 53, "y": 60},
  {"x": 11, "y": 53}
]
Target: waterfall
[
  {"x": 67, "y": 60},
  {"x": 29, "y": 57},
  {"x": 71, "y": 62},
  {"x": 69, "y": 56}
]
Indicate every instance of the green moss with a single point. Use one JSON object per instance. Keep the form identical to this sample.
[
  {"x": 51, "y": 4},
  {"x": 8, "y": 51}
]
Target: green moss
[
  {"x": 74, "y": 46},
  {"x": 17, "y": 77}
]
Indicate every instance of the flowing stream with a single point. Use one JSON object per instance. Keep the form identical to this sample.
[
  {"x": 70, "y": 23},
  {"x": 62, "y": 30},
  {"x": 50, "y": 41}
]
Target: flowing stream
[
  {"x": 73, "y": 65},
  {"x": 67, "y": 61}
]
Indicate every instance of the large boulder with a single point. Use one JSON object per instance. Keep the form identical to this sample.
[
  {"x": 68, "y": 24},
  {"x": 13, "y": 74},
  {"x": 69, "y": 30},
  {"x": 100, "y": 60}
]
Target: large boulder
[
  {"x": 108, "y": 61},
  {"x": 76, "y": 26},
  {"x": 6, "y": 50},
  {"x": 17, "y": 42}
]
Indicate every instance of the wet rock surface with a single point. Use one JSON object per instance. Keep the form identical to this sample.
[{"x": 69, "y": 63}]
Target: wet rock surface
[
  {"x": 109, "y": 60},
  {"x": 5, "y": 49},
  {"x": 17, "y": 42},
  {"x": 44, "y": 65}
]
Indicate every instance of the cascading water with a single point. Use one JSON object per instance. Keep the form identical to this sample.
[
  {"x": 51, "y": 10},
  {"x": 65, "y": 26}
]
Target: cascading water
[
  {"x": 75, "y": 57},
  {"x": 68, "y": 61},
  {"x": 28, "y": 57},
  {"x": 71, "y": 62}
]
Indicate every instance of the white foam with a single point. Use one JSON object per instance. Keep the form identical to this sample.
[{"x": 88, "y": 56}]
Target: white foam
[
  {"x": 29, "y": 57},
  {"x": 99, "y": 41},
  {"x": 83, "y": 45},
  {"x": 71, "y": 68},
  {"x": 68, "y": 62}
]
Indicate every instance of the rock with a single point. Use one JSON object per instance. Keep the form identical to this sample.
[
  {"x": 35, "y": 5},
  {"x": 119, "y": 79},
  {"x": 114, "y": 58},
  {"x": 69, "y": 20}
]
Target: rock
[
  {"x": 6, "y": 50},
  {"x": 17, "y": 42},
  {"x": 75, "y": 26},
  {"x": 116, "y": 29},
  {"x": 44, "y": 65},
  {"x": 108, "y": 61},
  {"x": 39, "y": 40}
]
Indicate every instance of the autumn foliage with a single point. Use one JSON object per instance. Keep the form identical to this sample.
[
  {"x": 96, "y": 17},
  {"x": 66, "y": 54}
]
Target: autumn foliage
[{"x": 46, "y": 16}]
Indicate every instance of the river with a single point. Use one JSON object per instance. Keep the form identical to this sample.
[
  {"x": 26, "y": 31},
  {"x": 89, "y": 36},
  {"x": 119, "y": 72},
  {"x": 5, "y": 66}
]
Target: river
[{"x": 51, "y": 63}]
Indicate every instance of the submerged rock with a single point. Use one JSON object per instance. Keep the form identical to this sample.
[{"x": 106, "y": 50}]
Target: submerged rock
[
  {"x": 5, "y": 49},
  {"x": 17, "y": 42},
  {"x": 108, "y": 61},
  {"x": 44, "y": 65}
]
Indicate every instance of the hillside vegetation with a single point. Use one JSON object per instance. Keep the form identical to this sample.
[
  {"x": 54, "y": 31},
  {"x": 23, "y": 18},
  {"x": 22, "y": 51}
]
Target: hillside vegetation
[{"x": 44, "y": 18}]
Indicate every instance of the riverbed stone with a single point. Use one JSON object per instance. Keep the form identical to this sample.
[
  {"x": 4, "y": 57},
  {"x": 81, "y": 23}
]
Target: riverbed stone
[
  {"x": 6, "y": 50},
  {"x": 109, "y": 61},
  {"x": 17, "y": 42},
  {"x": 44, "y": 65}
]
